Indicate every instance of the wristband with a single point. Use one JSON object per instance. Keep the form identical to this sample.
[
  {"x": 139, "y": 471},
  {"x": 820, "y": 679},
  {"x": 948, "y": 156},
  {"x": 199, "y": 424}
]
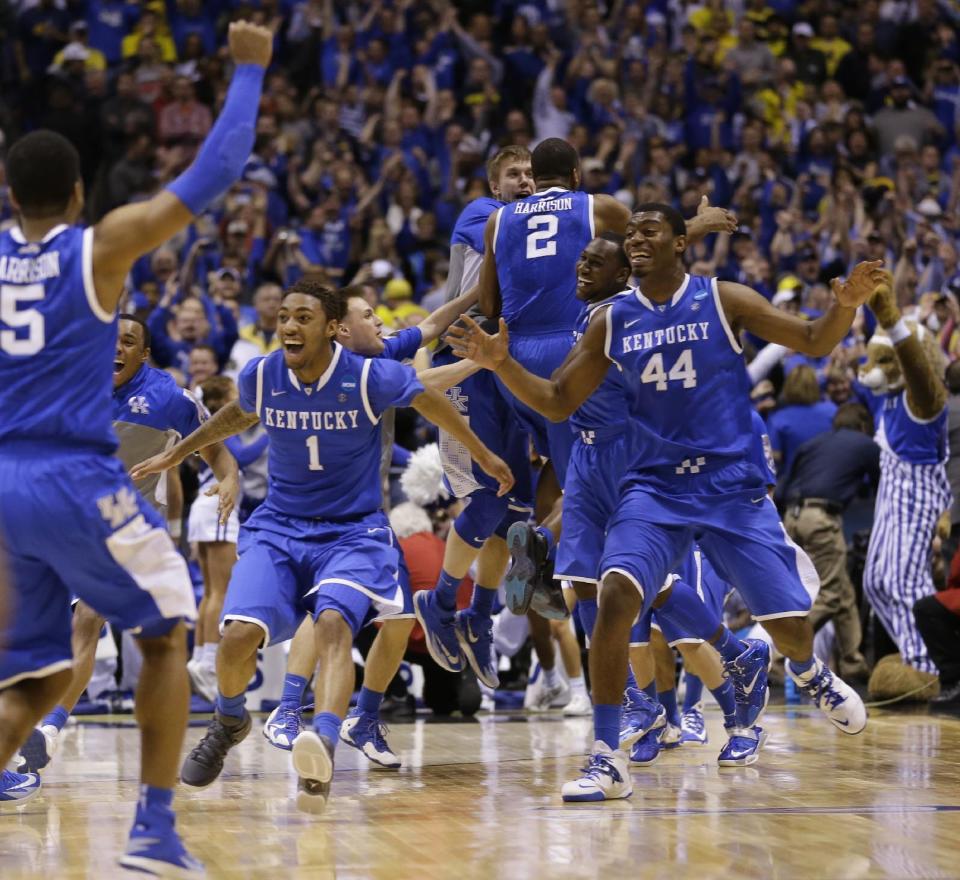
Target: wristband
[
  {"x": 898, "y": 332},
  {"x": 175, "y": 528}
]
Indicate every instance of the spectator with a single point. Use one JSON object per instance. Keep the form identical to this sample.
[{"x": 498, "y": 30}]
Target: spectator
[
  {"x": 938, "y": 620},
  {"x": 261, "y": 337},
  {"x": 903, "y": 117},
  {"x": 184, "y": 121},
  {"x": 175, "y": 334},
  {"x": 79, "y": 49},
  {"x": 202, "y": 365},
  {"x": 810, "y": 62},
  {"x": 802, "y": 416}
]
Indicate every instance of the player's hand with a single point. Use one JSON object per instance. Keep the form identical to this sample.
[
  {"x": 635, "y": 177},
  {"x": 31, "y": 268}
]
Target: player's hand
[
  {"x": 860, "y": 284},
  {"x": 229, "y": 491},
  {"x": 883, "y": 304},
  {"x": 156, "y": 464},
  {"x": 497, "y": 468},
  {"x": 471, "y": 342},
  {"x": 716, "y": 219},
  {"x": 250, "y": 43}
]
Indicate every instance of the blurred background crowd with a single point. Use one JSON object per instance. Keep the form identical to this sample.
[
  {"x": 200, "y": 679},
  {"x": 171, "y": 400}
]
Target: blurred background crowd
[{"x": 830, "y": 128}]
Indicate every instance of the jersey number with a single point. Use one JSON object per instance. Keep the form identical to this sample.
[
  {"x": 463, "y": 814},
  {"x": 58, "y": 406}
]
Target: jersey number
[
  {"x": 543, "y": 229},
  {"x": 313, "y": 448},
  {"x": 14, "y": 317},
  {"x": 681, "y": 371}
]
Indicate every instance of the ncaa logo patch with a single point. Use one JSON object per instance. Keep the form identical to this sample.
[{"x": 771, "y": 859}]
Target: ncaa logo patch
[{"x": 348, "y": 383}]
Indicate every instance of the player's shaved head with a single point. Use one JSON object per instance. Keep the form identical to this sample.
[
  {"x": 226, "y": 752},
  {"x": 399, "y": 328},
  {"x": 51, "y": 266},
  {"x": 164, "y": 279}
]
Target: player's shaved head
[
  {"x": 617, "y": 240},
  {"x": 554, "y": 159},
  {"x": 43, "y": 170}
]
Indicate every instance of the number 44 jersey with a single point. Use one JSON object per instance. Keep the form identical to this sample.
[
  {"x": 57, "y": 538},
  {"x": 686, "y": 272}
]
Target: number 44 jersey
[
  {"x": 56, "y": 345},
  {"x": 686, "y": 381},
  {"x": 537, "y": 242}
]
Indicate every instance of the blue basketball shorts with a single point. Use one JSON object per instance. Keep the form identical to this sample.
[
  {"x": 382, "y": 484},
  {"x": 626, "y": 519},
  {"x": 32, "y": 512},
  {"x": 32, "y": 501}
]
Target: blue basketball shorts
[
  {"x": 590, "y": 497},
  {"x": 292, "y": 566},
  {"x": 541, "y": 355},
  {"x": 739, "y": 532},
  {"x": 73, "y": 524}
]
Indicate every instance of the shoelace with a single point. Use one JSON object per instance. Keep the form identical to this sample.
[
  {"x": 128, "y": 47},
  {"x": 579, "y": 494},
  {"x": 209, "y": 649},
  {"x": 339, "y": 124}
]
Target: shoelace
[
  {"x": 289, "y": 716},
  {"x": 821, "y": 688},
  {"x": 693, "y": 722},
  {"x": 214, "y": 746},
  {"x": 599, "y": 765}
]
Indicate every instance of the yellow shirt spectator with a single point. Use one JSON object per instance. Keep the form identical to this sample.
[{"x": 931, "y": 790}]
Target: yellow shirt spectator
[
  {"x": 833, "y": 48},
  {"x": 93, "y": 59}
]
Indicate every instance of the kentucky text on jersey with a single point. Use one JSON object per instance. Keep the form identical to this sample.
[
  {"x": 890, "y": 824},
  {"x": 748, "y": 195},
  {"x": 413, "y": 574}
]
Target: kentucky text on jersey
[
  {"x": 293, "y": 420},
  {"x": 29, "y": 270},
  {"x": 674, "y": 335},
  {"x": 550, "y": 205}
]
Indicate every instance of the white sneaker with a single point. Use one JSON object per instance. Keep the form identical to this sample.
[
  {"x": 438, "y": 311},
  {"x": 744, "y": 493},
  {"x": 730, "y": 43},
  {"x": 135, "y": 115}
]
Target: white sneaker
[
  {"x": 606, "y": 777},
  {"x": 579, "y": 705},
  {"x": 835, "y": 698},
  {"x": 204, "y": 681},
  {"x": 670, "y": 738},
  {"x": 37, "y": 752},
  {"x": 313, "y": 763},
  {"x": 543, "y": 699}
]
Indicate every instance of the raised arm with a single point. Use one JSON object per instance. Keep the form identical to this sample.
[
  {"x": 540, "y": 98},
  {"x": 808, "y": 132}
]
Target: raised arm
[
  {"x": 558, "y": 397},
  {"x": 439, "y": 320},
  {"x": 442, "y": 378},
  {"x": 609, "y": 215},
  {"x": 230, "y": 420},
  {"x": 130, "y": 231},
  {"x": 489, "y": 283},
  {"x": 435, "y": 407},
  {"x": 745, "y": 309}
]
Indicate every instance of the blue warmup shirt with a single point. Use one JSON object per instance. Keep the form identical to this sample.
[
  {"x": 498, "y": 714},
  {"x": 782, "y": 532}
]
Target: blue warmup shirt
[
  {"x": 325, "y": 441},
  {"x": 538, "y": 241},
  {"x": 53, "y": 329}
]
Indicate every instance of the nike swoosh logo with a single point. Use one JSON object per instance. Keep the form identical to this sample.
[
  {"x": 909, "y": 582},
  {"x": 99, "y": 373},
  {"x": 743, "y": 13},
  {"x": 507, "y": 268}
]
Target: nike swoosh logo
[
  {"x": 277, "y": 393},
  {"x": 470, "y": 636},
  {"x": 451, "y": 658},
  {"x": 758, "y": 500},
  {"x": 753, "y": 684},
  {"x": 628, "y": 324}
]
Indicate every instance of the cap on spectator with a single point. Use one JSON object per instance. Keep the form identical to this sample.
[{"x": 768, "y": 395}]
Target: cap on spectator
[
  {"x": 802, "y": 29},
  {"x": 783, "y": 296},
  {"x": 237, "y": 227},
  {"x": 929, "y": 207},
  {"x": 789, "y": 283},
  {"x": 397, "y": 288},
  {"x": 381, "y": 269},
  {"x": 78, "y": 25},
  {"x": 591, "y": 164},
  {"x": 227, "y": 272},
  {"x": 76, "y": 52}
]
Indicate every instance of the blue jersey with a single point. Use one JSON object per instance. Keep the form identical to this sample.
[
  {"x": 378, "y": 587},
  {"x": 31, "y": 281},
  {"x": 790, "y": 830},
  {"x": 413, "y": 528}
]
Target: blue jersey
[
  {"x": 537, "y": 242},
  {"x": 403, "y": 345},
  {"x": 151, "y": 413},
  {"x": 467, "y": 245},
  {"x": 761, "y": 454},
  {"x": 603, "y": 410},
  {"x": 52, "y": 328},
  {"x": 325, "y": 437},
  {"x": 902, "y": 434},
  {"x": 686, "y": 381}
]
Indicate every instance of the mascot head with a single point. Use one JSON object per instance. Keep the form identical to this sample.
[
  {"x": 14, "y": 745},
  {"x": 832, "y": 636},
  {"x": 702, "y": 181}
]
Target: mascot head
[{"x": 881, "y": 371}]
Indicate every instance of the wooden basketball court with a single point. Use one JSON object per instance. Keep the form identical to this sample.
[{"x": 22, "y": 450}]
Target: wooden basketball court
[{"x": 480, "y": 799}]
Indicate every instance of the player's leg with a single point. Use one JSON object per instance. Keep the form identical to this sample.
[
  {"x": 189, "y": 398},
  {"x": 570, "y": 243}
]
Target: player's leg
[
  {"x": 475, "y": 624},
  {"x": 643, "y": 718},
  {"x": 220, "y": 557},
  {"x": 549, "y": 688},
  {"x": 285, "y": 722},
  {"x": 566, "y": 637},
  {"x": 665, "y": 676}
]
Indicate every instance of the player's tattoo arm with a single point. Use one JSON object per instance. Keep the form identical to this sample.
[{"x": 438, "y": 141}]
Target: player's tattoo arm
[
  {"x": 436, "y": 323},
  {"x": 230, "y": 420},
  {"x": 435, "y": 407},
  {"x": 745, "y": 309},
  {"x": 489, "y": 283},
  {"x": 442, "y": 378}
]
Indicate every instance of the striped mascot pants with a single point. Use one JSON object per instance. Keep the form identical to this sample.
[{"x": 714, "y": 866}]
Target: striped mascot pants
[{"x": 910, "y": 500}]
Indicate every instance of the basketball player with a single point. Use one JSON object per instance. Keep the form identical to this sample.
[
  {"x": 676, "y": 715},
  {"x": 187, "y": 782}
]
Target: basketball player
[
  {"x": 320, "y": 543},
  {"x": 73, "y": 521},
  {"x": 150, "y": 412},
  {"x": 675, "y": 339}
]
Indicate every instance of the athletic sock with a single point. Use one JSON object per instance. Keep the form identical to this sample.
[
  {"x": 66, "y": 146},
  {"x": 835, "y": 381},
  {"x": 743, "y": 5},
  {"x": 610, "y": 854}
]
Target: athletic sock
[
  {"x": 668, "y": 699},
  {"x": 578, "y": 686},
  {"x": 651, "y": 690},
  {"x": 693, "y": 693},
  {"x": 155, "y": 804},
  {"x": 327, "y": 724},
  {"x": 293, "y": 688},
  {"x": 803, "y": 669},
  {"x": 482, "y": 601},
  {"x": 446, "y": 591},
  {"x": 727, "y": 702},
  {"x": 729, "y": 646},
  {"x": 369, "y": 701},
  {"x": 631, "y": 678},
  {"x": 232, "y": 707},
  {"x": 550, "y": 678},
  {"x": 208, "y": 656},
  {"x": 685, "y": 610},
  {"x": 606, "y": 725},
  {"x": 587, "y": 611},
  {"x": 56, "y": 718},
  {"x": 197, "y": 652}
]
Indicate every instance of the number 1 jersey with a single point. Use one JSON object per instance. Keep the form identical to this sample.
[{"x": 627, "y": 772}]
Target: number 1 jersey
[
  {"x": 324, "y": 454},
  {"x": 537, "y": 242},
  {"x": 56, "y": 345}
]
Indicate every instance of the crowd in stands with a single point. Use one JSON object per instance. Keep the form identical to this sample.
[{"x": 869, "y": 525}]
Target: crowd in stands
[{"x": 830, "y": 128}]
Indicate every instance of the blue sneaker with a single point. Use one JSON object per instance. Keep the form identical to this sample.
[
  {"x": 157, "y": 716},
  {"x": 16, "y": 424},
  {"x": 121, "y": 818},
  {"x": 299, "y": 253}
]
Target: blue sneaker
[
  {"x": 646, "y": 750},
  {"x": 157, "y": 850},
  {"x": 37, "y": 751},
  {"x": 749, "y": 675},
  {"x": 693, "y": 729},
  {"x": 439, "y": 631},
  {"x": 475, "y": 634},
  {"x": 283, "y": 726},
  {"x": 18, "y": 788},
  {"x": 640, "y": 715},
  {"x": 529, "y": 551},
  {"x": 367, "y": 734},
  {"x": 742, "y": 748}
]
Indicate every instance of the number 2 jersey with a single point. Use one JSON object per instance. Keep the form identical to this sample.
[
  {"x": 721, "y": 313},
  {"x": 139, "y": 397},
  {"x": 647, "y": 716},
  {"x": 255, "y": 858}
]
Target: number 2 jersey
[
  {"x": 686, "y": 383},
  {"x": 324, "y": 459},
  {"x": 56, "y": 345}
]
